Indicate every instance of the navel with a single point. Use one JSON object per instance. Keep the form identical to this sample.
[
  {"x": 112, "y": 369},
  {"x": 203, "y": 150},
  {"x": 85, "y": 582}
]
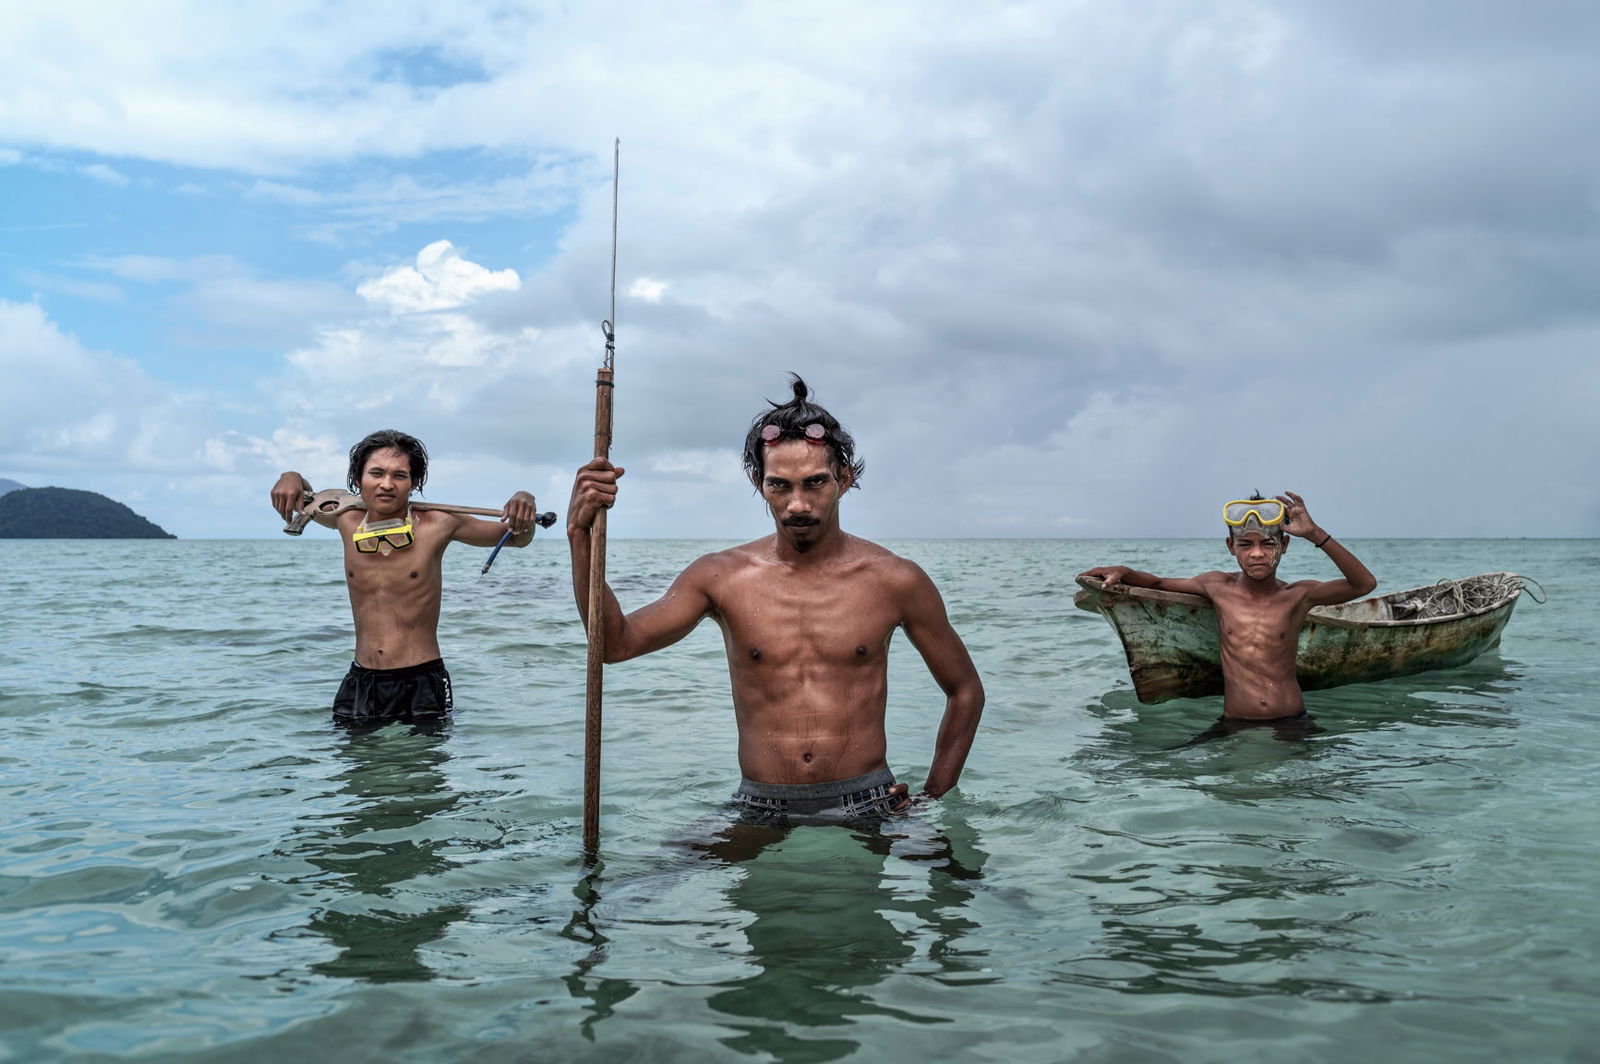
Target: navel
[
  {"x": 806, "y": 757},
  {"x": 861, "y": 651},
  {"x": 413, "y": 576},
  {"x": 755, "y": 653},
  {"x": 349, "y": 574}
]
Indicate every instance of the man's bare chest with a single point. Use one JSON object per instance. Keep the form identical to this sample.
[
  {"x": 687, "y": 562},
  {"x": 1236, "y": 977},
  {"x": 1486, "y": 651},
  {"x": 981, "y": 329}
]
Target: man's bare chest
[
  {"x": 411, "y": 570},
  {"x": 836, "y": 622}
]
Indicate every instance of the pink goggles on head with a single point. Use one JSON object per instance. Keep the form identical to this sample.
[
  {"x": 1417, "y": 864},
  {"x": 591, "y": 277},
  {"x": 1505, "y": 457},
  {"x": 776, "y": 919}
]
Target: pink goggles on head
[{"x": 814, "y": 432}]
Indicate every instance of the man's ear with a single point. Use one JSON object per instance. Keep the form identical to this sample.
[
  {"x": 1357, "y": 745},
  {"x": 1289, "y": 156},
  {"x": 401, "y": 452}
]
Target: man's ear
[{"x": 1227, "y": 541}]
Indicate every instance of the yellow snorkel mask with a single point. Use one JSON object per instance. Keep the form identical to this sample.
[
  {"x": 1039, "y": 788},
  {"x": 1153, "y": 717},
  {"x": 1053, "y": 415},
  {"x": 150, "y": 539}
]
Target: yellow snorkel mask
[
  {"x": 1254, "y": 515},
  {"x": 383, "y": 537}
]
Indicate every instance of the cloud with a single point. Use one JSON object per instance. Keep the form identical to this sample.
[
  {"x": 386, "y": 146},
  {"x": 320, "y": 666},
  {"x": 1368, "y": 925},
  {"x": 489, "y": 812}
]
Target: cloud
[
  {"x": 234, "y": 312},
  {"x": 95, "y": 421},
  {"x": 441, "y": 279},
  {"x": 76, "y": 408},
  {"x": 231, "y": 451},
  {"x": 346, "y": 211},
  {"x": 219, "y": 305},
  {"x": 418, "y": 343},
  {"x": 648, "y": 289},
  {"x": 158, "y": 269},
  {"x": 105, "y": 293},
  {"x": 104, "y": 174}
]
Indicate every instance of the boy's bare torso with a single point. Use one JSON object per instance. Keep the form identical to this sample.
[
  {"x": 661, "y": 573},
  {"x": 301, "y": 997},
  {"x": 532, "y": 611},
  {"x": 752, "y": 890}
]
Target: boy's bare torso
[
  {"x": 807, "y": 656},
  {"x": 1260, "y": 633},
  {"x": 394, "y": 598}
]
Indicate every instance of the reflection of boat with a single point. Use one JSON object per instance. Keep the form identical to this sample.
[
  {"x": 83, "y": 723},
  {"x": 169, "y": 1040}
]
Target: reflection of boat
[{"x": 1171, "y": 639}]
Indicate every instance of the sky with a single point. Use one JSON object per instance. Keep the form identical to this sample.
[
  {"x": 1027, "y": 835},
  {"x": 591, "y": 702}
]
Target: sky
[{"x": 1081, "y": 269}]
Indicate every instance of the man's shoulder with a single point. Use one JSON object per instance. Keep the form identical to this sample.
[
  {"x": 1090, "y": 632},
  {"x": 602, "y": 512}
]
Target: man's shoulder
[
  {"x": 894, "y": 569},
  {"x": 729, "y": 559},
  {"x": 438, "y": 525}
]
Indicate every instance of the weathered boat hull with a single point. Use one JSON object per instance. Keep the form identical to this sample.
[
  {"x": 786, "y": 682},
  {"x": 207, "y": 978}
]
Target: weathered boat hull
[{"x": 1171, "y": 640}]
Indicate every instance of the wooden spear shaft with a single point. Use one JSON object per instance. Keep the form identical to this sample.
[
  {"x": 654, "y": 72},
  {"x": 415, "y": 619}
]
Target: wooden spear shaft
[
  {"x": 595, "y": 680},
  {"x": 597, "y": 633}
]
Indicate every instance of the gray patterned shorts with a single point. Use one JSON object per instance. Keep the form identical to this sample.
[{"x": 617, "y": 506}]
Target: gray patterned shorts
[{"x": 863, "y": 797}]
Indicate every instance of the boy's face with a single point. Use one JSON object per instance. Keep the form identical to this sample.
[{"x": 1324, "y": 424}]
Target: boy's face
[
  {"x": 1258, "y": 553},
  {"x": 386, "y": 482}
]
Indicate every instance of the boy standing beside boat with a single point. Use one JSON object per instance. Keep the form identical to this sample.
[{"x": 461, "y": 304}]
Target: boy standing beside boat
[{"x": 1258, "y": 615}]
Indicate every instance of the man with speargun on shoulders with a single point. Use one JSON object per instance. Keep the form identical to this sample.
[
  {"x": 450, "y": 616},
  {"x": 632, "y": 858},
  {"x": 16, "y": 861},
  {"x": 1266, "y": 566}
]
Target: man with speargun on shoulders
[{"x": 393, "y": 558}]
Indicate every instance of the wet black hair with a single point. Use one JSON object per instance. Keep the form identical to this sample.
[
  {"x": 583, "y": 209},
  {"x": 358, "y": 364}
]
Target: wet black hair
[
  {"x": 382, "y": 440},
  {"x": 792, "y": 418}
]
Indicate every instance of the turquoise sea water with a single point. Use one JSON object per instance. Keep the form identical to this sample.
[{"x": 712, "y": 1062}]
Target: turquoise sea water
[{"x": 194, "y": 865}]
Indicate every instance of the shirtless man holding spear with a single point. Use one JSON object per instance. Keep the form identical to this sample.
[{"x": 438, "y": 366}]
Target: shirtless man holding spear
[{"x": 806, "y": 614}]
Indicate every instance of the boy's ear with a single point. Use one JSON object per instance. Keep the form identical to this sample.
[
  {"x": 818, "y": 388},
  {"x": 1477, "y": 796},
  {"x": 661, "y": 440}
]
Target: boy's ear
[{"x": 1227, "y": 541}]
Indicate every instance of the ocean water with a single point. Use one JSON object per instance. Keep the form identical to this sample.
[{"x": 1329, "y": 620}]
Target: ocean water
[{"x": 195, "y": 865}]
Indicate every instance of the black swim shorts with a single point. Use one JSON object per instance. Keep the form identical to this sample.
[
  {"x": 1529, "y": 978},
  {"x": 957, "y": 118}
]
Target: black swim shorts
[
  {"x": 864, "y": 797},
  {"x": 379, "y": 696}
]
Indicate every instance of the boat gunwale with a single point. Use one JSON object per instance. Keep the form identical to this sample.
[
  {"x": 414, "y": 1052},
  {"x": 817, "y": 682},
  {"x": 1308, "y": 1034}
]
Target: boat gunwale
[{"x": 1316, "y": 616}]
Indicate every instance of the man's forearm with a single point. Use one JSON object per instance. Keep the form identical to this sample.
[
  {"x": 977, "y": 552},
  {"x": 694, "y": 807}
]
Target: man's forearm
[
  {"x": 580, "y": 544},
  {"x": 959, "y": 726}
]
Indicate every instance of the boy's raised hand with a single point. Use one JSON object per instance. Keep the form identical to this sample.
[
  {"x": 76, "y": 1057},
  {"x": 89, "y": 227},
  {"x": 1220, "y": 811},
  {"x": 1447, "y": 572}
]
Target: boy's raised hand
[{"x": 1296, "y": 522}]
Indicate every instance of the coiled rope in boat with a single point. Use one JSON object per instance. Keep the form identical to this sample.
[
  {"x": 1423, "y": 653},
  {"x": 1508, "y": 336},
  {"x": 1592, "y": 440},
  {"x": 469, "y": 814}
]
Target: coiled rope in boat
[{"x": 1450, "y": 597}]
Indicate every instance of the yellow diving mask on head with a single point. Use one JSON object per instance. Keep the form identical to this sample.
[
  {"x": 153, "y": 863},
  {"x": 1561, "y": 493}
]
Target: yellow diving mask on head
[
  {"x": 382, "y": 537},
  {"x": 1268, "y": 514}
]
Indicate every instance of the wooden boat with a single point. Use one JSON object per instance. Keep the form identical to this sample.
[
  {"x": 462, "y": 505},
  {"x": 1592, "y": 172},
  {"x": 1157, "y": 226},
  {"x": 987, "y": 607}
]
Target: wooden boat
[{"x": 1171, "y": 639}]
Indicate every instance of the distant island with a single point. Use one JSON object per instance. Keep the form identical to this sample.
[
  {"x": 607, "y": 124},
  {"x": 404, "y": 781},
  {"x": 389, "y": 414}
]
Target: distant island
[{"x": 66, "y": 513}]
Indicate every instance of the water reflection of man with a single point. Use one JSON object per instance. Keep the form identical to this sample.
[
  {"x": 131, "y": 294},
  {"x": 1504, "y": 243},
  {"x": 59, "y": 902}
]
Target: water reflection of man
[
  {"x": 820, "y": 934},
  {"x": 376, "y": 849}
]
